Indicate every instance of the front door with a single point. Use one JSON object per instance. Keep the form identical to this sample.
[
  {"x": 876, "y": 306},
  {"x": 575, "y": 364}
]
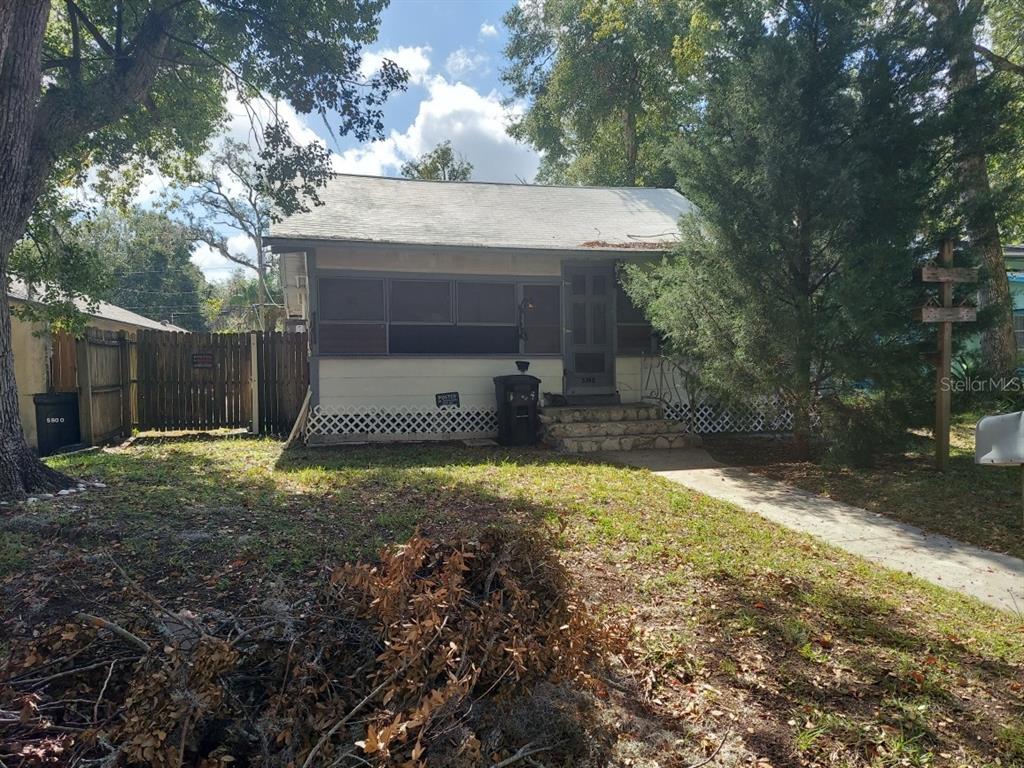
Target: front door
[{"x": 589, "y": 305}]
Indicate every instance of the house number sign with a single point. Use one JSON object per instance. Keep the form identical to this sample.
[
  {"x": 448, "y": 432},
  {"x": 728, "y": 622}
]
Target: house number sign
[{"x": 447, "y": 399}]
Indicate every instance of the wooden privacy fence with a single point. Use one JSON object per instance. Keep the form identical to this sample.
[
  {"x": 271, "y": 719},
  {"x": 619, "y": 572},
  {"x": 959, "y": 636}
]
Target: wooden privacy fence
[
  {"x": 189, "y": 381},
  {"x": 98, "y": 366},
  {"x": 283, "y": 377}
]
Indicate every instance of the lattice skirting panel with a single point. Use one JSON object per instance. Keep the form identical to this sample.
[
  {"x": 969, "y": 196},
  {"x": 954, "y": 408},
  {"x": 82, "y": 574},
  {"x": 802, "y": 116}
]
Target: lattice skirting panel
[
  {"x": 397, "y": 424},
  {"x": 708, "y": 418}
]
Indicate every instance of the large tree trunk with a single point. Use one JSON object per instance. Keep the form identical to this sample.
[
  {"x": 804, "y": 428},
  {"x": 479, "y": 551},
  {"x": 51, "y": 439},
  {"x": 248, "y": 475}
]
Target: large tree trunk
[
  {"x": 630, "y": 141},
  {"x": 998, "y": 344},
  {"x": 20, "y": 470},
  {"x": 36, "y": 129},
  {"x": 22, "y": 23}
]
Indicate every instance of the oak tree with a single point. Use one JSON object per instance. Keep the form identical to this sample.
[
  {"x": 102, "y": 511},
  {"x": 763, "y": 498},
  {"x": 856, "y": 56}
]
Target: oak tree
[
  {"x": 442, "y": 163},
  {"x": 128, "y": 84}
]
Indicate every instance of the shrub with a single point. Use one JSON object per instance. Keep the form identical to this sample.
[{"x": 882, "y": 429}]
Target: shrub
[{"x": 862, "y": 427}]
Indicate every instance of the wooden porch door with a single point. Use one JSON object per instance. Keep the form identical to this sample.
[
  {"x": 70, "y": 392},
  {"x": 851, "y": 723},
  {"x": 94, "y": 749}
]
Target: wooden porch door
[{"x": 588, "y": 299}]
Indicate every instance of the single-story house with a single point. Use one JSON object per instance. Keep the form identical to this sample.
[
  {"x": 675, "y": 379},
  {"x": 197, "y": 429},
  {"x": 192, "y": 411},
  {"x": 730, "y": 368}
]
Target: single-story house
[
  {"x": 416, "y": 289},
  {"x": 32, "y": 345}
]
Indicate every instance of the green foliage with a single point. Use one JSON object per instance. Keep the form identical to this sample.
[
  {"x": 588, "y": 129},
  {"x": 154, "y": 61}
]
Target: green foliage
[
  {"x": 868, "y": 426},
  {"x": 141, "y": 87},
  {"x": 602, "y": 86},
  {"x": 150, "y": 260},
  {"x": 308, "y": 54},
  {"x": 441, "y": 163},
  {"x": 134, "y": 258},
  {"x": 1006, "y": 21},
  {"x": 239, "y": 303},
  {"x": 808, "y": 157}
]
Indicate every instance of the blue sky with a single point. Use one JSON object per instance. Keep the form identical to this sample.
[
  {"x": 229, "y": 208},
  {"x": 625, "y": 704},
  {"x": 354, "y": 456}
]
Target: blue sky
[{"x": 453, "y": 52}]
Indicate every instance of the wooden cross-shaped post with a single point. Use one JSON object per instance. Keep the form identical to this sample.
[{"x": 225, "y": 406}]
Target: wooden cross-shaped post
[
  {"x": 945, "y": 361},
  {"x": 945, "y": 314}
]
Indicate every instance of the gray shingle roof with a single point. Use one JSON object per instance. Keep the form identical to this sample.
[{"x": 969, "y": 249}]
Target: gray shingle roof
[
  {"x": 17, "y": 289},
  {"x": 375, "y": 209}
]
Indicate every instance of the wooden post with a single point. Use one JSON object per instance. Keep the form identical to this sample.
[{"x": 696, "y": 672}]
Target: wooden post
[
  {"x": 85, "y": 420},
  {"x": 126, "y": 385},
  {"x": 943, "y": 369},
  {"x": 254, "y": 382}
]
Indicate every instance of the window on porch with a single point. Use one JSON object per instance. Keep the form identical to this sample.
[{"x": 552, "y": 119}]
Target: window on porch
[
  {"x": 384, "y": 315},
  {"x": 635, "y": 336}
]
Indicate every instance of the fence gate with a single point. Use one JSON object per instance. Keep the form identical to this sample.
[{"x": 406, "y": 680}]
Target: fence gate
[{"x": 188, "y": 381}]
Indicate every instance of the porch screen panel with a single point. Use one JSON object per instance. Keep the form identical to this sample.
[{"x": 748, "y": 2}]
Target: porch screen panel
[
  {"x": 351, "y": 299},
  {"x": 454, "y": 339},
  {"x": 421, "y": 301},
  {"x": 541, "y": 319},
  {"x": 379, "y": 315},
  {"x": 351, "y": 316},
  {"x": 634, "y": 334},
  {"x": 486, "y": 303}
]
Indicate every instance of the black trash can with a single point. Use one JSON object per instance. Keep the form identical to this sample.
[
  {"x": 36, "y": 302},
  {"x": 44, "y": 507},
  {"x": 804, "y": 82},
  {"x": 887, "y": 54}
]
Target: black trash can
[
  {"x": 517, "y": 397},
  {"x": 56, "y": 422}
]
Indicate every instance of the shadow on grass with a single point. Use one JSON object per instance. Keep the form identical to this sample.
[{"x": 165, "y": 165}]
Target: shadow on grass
[
  {"x": 858, "y": 674},
  {"x": 223, "y": 530},
  {"x": 240, "y": 523}
]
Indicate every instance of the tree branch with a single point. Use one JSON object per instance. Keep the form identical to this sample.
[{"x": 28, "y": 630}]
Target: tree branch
[
  {"x": 64, "y": 116},
  {"x": 75, "y": 63},
  {"x": 74, "y": 11},
  {"x": 220, "y": 245},
  {"x": 999, "y": 63}
]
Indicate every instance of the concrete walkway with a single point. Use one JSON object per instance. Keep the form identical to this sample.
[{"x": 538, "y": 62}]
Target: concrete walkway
[{"x": 992, "y": 578}]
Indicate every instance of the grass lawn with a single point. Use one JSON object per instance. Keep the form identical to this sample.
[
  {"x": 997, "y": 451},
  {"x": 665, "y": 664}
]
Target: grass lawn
[
  {"x": 978, "y": 504},
  {"x": 795, "y": 653}
]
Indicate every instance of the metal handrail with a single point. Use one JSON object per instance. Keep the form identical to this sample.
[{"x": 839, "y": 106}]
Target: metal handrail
[{"x": 662, "y": 380}]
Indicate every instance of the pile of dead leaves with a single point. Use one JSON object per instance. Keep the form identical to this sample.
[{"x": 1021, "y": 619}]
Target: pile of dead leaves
[{"x": 456, "y": 655}]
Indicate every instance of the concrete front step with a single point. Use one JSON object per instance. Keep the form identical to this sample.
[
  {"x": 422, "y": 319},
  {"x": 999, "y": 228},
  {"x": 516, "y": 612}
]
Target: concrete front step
[
  {"x": 612, "y": 428},
  {"x": 625, "y": 442},
  {"x": 572, "y": 414}
]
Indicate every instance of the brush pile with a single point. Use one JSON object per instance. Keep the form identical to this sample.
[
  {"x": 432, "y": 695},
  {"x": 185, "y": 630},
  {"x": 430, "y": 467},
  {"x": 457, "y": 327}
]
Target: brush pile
[{"x": 469, "y": 654}]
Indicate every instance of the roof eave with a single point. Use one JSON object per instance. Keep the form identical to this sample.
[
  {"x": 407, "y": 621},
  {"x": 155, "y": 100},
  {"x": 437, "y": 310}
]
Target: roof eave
[
  {"x": 157, "y": 326},
  {"x": 285, "y": 242}
]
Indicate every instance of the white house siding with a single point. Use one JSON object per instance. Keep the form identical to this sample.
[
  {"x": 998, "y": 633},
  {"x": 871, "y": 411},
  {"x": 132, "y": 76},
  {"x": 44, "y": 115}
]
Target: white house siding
[
  {"x": 394, "y": 398},
  {"x": 433, "y": 260},
  {"x": 628, "y": 379}
]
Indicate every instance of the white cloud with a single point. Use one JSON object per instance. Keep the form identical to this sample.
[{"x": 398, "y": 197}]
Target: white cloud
[
  {"x": 474, "y": 122},
  {"x": 465, "y": 60},
  {"x": 247, "y": 121},
  {"x": 488, "y": 30},
  {"x": 214, "y": 265},
  {"x": 413, "y": 59}
]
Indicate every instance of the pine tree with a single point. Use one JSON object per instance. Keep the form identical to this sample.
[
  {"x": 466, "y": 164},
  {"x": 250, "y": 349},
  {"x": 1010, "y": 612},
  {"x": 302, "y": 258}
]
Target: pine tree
[{"x": 808, "y": 155}]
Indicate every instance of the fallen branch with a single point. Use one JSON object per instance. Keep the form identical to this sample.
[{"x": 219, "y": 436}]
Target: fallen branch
[
  {"x": 17, "y": 683},
  {"x": 370, "y": 697},
  {"x": 713, "y": 755},
  {"x": 118, "y": 630},
  {"x": 523, "y": 753},
  {"x": 103, "y": 690}
]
